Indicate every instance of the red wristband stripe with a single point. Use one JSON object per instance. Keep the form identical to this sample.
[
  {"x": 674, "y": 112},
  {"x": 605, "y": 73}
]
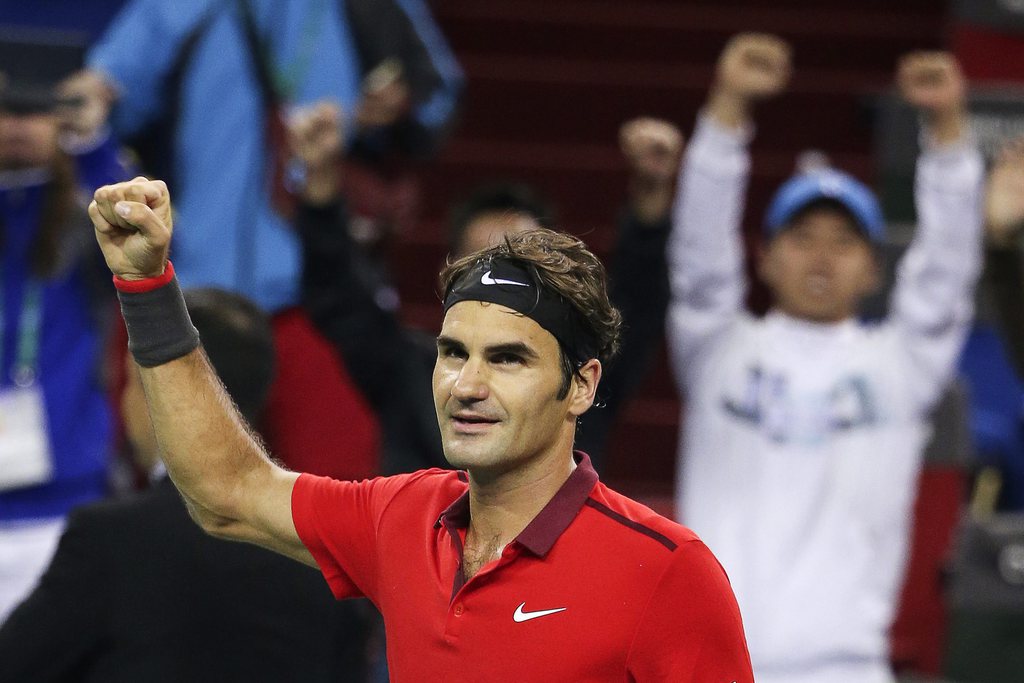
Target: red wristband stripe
[{"x": 146, "y": 285}]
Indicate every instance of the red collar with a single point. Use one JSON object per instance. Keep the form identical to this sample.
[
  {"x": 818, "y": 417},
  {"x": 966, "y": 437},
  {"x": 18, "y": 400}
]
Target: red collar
[{"x": 541, "y": 533}]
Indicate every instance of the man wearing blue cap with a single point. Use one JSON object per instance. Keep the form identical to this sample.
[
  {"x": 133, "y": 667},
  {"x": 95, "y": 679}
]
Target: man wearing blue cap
[{"x": 804, "y": 429}]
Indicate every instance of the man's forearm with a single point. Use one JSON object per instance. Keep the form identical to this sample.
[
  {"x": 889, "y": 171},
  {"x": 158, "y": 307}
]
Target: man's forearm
[
  {"x": 933, "y": 302},
  {"x": 705, "y": 253}
]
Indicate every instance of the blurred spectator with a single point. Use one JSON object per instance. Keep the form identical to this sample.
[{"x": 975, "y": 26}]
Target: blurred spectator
[
  {"x": 55, "y": 300},
  {"x": 212, "y": 85},
  {"x": 804, "y": 430},
  {"x": 994, "y": 369},
  {"x": 204, "y": 86},
  {"x": 118, "y": 604},
  {"x": 390, "y": 364},
  {"x": 493, "y": 210}
]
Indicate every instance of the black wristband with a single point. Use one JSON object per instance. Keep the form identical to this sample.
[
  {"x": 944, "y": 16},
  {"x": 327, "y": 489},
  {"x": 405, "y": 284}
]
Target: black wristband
[{"x": 159, "y": 328}]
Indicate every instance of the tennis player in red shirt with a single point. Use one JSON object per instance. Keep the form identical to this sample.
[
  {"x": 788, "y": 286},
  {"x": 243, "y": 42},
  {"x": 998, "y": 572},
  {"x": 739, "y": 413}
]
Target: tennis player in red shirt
[{"x": 517, "y": 566}]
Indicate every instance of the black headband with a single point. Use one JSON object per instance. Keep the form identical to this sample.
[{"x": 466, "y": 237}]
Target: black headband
[{"x": 515, "y": 285}]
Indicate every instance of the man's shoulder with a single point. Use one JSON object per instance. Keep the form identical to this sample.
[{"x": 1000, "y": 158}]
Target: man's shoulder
[
  {"x": 428, "y": 488},
  {"x": 416, "y": 489},
  {"x": 423, "y": 481},
  {"x": 636, "y": 523}
]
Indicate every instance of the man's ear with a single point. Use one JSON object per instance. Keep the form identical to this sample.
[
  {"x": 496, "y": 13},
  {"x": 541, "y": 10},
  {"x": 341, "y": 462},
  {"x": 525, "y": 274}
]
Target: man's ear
[{"x": 584, "y": 387}]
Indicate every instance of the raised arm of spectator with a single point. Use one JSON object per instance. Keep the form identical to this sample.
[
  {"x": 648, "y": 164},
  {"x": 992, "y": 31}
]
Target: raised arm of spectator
[
  {"x": 341, "y": 303},
  {"x": 231, "y": 486},
  {"x": 705, "y": 251},
  {"x": 1004, "y": 219},
  {"x": 933, "y": 301},
  {"x": 639, "y": 274}
]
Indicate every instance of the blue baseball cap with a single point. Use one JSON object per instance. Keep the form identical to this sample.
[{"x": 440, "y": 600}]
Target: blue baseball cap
[{"x": 805, "y": 188}]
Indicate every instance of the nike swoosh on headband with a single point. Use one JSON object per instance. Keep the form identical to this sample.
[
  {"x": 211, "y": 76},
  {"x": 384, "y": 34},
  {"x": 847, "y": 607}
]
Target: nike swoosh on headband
[{"x": 486, "y": 279}]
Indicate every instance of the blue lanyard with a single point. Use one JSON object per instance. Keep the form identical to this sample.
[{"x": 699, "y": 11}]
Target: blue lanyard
[{"x": 29, "y": 323}]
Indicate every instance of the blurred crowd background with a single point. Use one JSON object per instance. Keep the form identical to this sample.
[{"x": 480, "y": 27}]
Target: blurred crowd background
[{"x": 325, "y": 158}]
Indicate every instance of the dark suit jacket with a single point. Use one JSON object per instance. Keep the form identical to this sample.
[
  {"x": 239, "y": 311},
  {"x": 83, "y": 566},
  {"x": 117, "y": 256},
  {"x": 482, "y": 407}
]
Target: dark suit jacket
[{"x": 137, "y": 592}]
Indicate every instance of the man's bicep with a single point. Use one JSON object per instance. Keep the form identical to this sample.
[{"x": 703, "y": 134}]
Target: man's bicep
[
  {"x": 274, "y": 513},
  {"x": 266, "y": 519}
]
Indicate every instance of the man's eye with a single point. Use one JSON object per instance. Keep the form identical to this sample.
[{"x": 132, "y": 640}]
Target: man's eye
[
  {"x": 452, "y": 353},
  {"x": 507, "y": 359}
]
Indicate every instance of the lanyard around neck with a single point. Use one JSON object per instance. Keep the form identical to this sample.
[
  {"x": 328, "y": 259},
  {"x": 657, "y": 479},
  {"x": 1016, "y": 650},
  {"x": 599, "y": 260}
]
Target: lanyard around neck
[{"x": 29, "y": 323}]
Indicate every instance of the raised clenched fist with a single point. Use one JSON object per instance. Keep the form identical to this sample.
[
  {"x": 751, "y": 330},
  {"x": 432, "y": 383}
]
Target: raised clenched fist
[
  {"x": 316, "y": 134},
  {"x": 1004, "y": 198},
  {"x": 754, "y": 66},
  {"x": 932, "y": 82},
  {"x": 133, "y": 227},
  {"x": 652, "y": 148}
]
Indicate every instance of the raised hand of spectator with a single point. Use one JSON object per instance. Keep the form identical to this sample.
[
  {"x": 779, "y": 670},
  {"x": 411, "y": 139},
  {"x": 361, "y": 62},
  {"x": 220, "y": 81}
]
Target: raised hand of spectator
[
  {"x": 933, "y": 82},
  {"x": 133, "y": 227},
  {"x": 87, "y": 97},
  {"x": 316, "y": 136},
  {"x": 652, "y": 149},
  {"x": 385, "y": 96},
  {"x": 752, "y": 67},
  {"x": 1004, "y": 198}
]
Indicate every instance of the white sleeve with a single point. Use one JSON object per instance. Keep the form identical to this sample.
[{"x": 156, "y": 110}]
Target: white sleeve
[
  {"x": 933, "y": 301},
  {"x": 705, "y": 249}
]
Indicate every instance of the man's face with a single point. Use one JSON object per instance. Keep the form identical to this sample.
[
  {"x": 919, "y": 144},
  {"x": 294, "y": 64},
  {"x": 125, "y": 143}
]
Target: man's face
[
  {"x": 27, "y": 140},
  {"x": 820, "y": 267},
  {"x": 496, "y": 385},
  {"x": 487, "y": 229}
]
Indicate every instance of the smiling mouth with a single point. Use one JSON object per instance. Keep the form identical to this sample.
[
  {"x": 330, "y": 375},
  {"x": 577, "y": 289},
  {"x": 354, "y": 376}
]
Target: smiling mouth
[{"x": 471, "y": 424}]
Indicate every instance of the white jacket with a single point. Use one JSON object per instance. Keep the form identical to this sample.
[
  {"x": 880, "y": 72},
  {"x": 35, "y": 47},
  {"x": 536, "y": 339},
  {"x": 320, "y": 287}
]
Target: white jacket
[{"x": 801, "y": 443}]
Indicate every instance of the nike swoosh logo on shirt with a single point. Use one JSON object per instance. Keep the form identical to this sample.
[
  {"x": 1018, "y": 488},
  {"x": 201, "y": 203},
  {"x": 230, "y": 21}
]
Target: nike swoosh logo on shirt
[
  {"x": 520, "y": 616},
  {"x": 486, "y": 279}
]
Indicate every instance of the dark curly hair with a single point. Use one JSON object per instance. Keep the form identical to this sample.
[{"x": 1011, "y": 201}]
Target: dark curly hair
[{"x": 564, "y": 265}]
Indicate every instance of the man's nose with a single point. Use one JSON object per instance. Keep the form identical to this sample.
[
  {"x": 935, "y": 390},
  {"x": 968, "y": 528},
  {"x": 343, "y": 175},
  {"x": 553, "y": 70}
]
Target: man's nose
[
  {"x": 822, "y": 253},
  {"x": 471, "y": 382}
]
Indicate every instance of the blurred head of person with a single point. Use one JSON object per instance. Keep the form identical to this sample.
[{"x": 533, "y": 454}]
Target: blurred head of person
[
  {"x": 28, "y": 139},
  {"x": 32, "y": 67},
  {"x": 33, "y": 114},
  {"x": 237, "y": 339},
  {"x": 492, "y": 211},
  {"x": 820, "y": 260}
]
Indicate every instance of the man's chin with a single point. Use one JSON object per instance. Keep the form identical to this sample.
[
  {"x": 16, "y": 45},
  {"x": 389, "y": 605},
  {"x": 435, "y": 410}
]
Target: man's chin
[
  {"x": 817, "y": 311},
  {"x": 477, "y": 457}
]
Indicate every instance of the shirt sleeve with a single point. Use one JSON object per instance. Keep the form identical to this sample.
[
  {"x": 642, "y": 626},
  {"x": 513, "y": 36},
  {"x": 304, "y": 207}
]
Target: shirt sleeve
[
  {"x": 338, "y": 522},
  {"x": 138, "y": 50},
  {"x": 933, "y": 301},
  {"x": 705, "y": 250},
  {"x": 692, "y": 629}
]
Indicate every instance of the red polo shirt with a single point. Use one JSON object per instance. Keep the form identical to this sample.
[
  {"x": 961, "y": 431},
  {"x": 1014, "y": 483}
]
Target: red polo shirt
[{"x": 596, "y": 588}]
